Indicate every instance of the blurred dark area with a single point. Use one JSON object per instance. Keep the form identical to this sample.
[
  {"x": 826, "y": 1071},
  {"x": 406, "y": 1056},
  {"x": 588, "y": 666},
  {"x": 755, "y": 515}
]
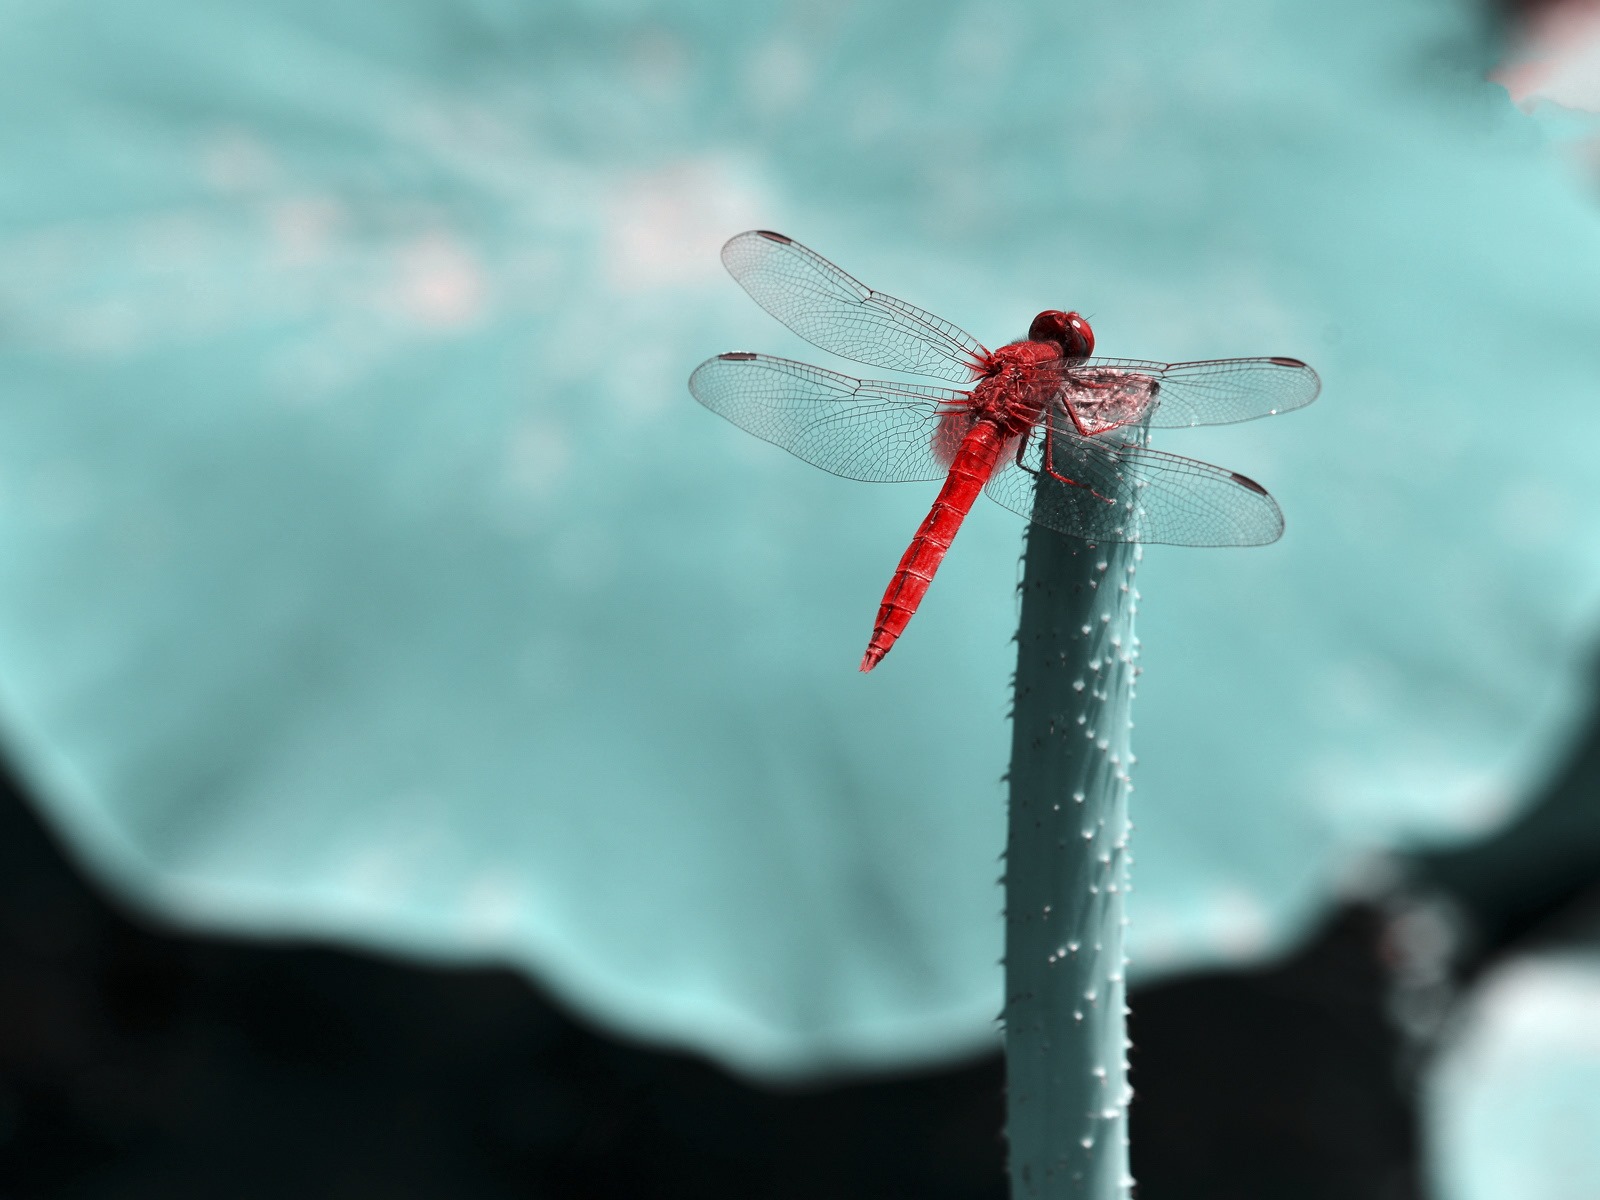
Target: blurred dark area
[
  {"x": 1535, "y": 882},
  {"x": 141, "y": 1062}
]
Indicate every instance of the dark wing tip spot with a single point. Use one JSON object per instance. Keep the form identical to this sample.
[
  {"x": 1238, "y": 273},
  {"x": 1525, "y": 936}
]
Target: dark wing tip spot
[
  {"x": 774, "y": 237},
  {"x": 1282, "y": 362},
  {"x": 737, "y": 356},
  {"x": 1247, "y": 481}
]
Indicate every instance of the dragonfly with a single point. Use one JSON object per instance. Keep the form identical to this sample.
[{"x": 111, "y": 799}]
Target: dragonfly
[{"x": 1039, "y": 425}]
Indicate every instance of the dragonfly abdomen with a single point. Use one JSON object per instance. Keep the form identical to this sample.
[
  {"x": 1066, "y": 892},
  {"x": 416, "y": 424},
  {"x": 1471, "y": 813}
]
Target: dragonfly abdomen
[{"x": 970, "y": 469}]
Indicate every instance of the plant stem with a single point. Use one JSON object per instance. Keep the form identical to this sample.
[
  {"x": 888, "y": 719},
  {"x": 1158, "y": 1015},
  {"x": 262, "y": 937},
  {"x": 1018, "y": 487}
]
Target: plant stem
[{"x": 1067, "y": 872}]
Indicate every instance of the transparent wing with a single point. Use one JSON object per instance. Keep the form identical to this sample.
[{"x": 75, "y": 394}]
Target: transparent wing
[
  {"x": 1217, "y": 392},
  {"x": 864, "y": 429},
  {"x": 842, "y": 315},
  {"x": 1133, "y": 493}
]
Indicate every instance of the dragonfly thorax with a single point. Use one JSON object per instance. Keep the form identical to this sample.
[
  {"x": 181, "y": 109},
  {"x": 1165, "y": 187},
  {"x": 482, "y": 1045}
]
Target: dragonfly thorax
[{"x": 1016, "y": 387}]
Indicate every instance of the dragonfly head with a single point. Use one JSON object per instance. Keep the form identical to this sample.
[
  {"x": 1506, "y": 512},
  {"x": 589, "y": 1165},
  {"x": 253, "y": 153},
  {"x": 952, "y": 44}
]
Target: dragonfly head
[{"x": 1067, "y": 329}]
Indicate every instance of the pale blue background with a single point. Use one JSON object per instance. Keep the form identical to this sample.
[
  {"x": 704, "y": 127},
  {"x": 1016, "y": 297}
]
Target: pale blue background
[{"x": 366, "y": 569}]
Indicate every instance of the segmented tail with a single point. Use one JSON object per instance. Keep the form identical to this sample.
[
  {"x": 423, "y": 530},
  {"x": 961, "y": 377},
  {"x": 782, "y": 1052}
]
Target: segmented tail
[{"x": 970, "y": 469}]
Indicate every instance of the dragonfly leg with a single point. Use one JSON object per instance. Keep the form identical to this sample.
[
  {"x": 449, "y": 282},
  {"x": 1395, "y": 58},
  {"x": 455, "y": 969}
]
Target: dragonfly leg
[
  {"x": 1022, "y": 448},
  {"x": 1076, "y": 421},
  {"x": 1049, "y": 466}
]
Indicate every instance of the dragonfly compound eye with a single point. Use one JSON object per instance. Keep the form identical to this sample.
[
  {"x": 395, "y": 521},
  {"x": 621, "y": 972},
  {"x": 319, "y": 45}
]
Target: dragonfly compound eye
[{"x": 1067, "y": 329}]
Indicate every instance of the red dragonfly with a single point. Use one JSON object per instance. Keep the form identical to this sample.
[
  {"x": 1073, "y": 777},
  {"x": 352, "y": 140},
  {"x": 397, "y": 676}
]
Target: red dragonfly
[{"x": 1039, "y": 425}]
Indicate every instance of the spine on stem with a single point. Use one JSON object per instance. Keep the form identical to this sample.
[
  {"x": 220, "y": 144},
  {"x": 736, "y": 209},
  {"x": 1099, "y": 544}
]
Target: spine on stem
[{"x": 1066, "y": 872}]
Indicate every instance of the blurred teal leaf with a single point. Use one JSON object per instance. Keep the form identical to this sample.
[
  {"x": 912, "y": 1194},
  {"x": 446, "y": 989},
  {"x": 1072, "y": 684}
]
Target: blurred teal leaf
[
  {"x": 1514, "y": 1099},
  {"x": 366, "y": 570}
]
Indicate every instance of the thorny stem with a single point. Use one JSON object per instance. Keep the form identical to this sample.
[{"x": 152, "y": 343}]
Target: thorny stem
[{"x": 1067, "y": 872}]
